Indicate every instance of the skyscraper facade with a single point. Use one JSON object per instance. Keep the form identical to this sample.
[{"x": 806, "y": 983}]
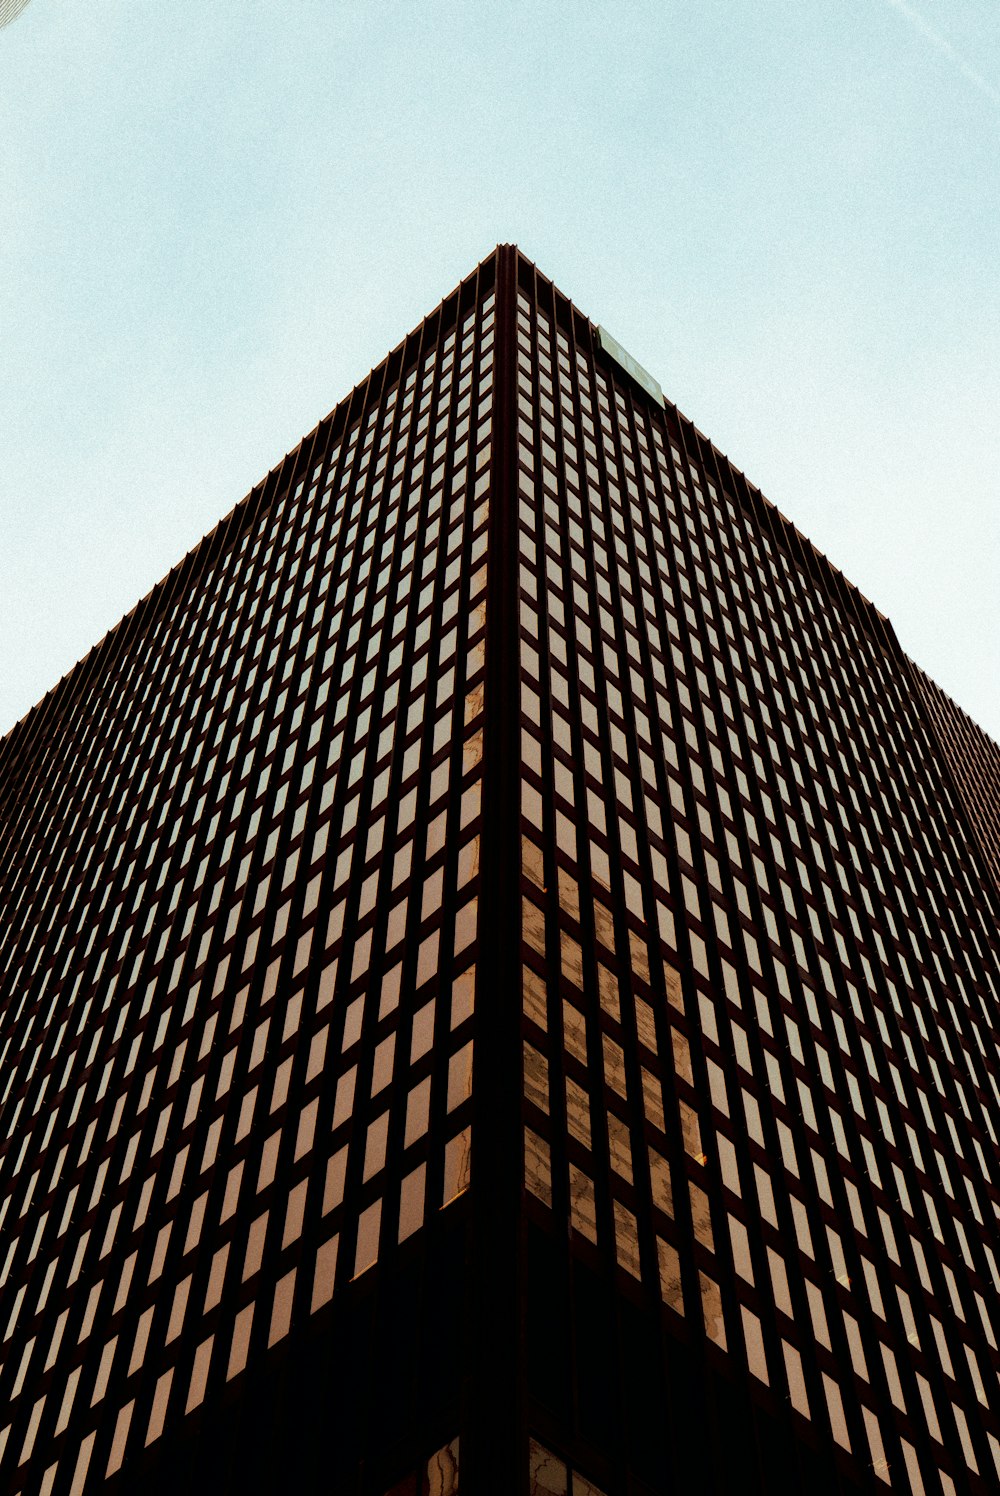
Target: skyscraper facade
[{"x": 499, "y": 980}]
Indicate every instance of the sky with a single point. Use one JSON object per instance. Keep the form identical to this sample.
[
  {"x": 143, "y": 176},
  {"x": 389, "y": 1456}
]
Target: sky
[{"x": 215, "y": 218}]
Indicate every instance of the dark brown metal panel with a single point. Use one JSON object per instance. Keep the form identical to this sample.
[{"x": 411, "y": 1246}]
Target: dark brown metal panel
[
  {"x": 804, "y": 656},
  {"x": 235, "y": 819},
  {"x": 494, "y": 1378}
]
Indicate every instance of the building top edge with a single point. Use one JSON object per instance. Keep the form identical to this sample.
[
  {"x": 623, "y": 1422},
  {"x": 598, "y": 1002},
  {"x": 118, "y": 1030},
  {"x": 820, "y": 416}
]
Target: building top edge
[
  {"x": 276, "y": 479},
  {"x": 144, "y": 610}
]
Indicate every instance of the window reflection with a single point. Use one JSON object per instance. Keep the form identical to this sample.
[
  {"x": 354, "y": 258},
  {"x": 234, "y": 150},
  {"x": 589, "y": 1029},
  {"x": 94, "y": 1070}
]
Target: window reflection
[
  {"x": 411, "y": 1202},
  {"x": 457, "y": 1161},
  {"x": 614, "y": 1065},
  {"x": 547, "y": 1475},
  {"x": 536, "y": 1077},
  {"x": 578, "y": 1112},
  {"x": 366, "y": 1251},
  {"x": 537, "y": 1168},
  {"x": 582, "y": 1203},
  {"x": 383, "y": 1063},
  {"x": 626, "y": 1239},
  {"x": 670, "y": 1275},
  {"x": 442, "y": 1472}
]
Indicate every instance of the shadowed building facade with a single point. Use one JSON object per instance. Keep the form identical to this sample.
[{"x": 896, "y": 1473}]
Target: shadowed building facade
[{"x": 499, "y": 981}]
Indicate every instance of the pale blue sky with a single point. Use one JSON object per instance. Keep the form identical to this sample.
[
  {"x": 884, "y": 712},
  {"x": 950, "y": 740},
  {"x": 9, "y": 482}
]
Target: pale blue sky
[{"x": 216, "y": 216}]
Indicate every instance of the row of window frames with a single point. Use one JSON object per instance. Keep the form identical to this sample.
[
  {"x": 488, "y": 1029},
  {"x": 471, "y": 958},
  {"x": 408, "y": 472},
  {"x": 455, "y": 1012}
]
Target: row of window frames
[
  {"x": 620, "y": 1155},
  {"x": 725, "y": 609},
  {"x": 385, "y": 772},
  {"x": 570, "y": 407},
  {"x": 351, "y": 552},
  {"x": 574, "y": 1025},
  {"x": 882, "y": 1125},
  {"x": 536, "y": 1067},
  {"x": 467, "y": 850},
  {"x": 677, "y": 664},
  {"x": 420, "y": 1044},
  {"x": 380, "y": 520},
  {"x": 175, "y": 613},
  {"x": 382, "y": 1071},
  {"x": 925, "y": 1179},
  {"x": 563, "y": 740},
  {"x": 293, "y": 660},
  {"x": 830, "y": 1099},
  {"x": 731, "y": 1179},
  {"x": 677, "y": 667},
  {"x": 609, "y": 1001},
  {"x": 422, "y": 1028},
  {"x": 417, "y": 1121},
  {"x": 644, "y": 643},
  {"x": 323, "y": 712},
  {"x": 451, "y": 394},
  {"x": 617, "y": 476},
  {"x": 709, "y": 1298},
  {"x": 300, "y": 608},
  {"x": 578, "y": 393},
  {"x": 657, "y": 1098},
  {"x": 142, "y": 886},
  {"x": 685, "y": 500},
  {"x": 634, "y": 953},
  {"x": 451, "y": 465},
  {"x": 367, "y": 1244},
  {"x": 374, "y": 1152},
  {"x": 424, "y": 638},
  {"x": 678, "y": 804},
  {"x": 432, "y": 737},
  {"x": 333, "y": 1194},
  {"x": 375, "y": 885},
  {"x": 123, "y": 802},
  {"x": 649, "y": 836},
  {"x": 620, "y": 475},
  {"x": 345, "y": 1100},
  {"x": 318, "y": 853},
  {"x": 564, "y": 779},
  {"x": 583, "y": 1211}
]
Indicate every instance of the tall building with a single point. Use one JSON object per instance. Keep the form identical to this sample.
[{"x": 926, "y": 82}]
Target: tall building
[{"x": 499, "y": 981}]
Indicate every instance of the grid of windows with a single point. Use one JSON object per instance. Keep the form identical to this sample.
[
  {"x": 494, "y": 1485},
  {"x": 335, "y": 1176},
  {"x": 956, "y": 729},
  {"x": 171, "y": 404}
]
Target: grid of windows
[
  {"x": 975, "y": 762},
  {"x": 743, "y": 877},
  {"x": 759, "y": 978},
  {"x": 239, "y": 940}
]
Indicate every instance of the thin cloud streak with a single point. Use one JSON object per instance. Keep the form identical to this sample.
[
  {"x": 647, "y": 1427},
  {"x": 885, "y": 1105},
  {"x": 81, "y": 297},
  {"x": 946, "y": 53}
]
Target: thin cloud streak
[{"x": 925, "y": 28}]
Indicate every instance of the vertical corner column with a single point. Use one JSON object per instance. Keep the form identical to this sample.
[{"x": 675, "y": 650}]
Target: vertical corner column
[{"x": 492, "y": 1453}]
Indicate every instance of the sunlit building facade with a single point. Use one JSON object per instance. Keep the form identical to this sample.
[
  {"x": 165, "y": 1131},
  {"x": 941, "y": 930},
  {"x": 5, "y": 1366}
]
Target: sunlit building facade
[{"x": 500, "y": 981}]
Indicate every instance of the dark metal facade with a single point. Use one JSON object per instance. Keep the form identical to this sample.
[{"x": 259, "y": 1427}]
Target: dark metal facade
[
  {"x": 239, "y": 945},
  {"x": 504, "y": 783},
  {"x": 975, "y": 761},
  {"x": 760, "y": 983}
]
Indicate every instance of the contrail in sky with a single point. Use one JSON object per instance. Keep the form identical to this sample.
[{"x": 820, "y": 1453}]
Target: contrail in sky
[{"x": 943, "y": 45}]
